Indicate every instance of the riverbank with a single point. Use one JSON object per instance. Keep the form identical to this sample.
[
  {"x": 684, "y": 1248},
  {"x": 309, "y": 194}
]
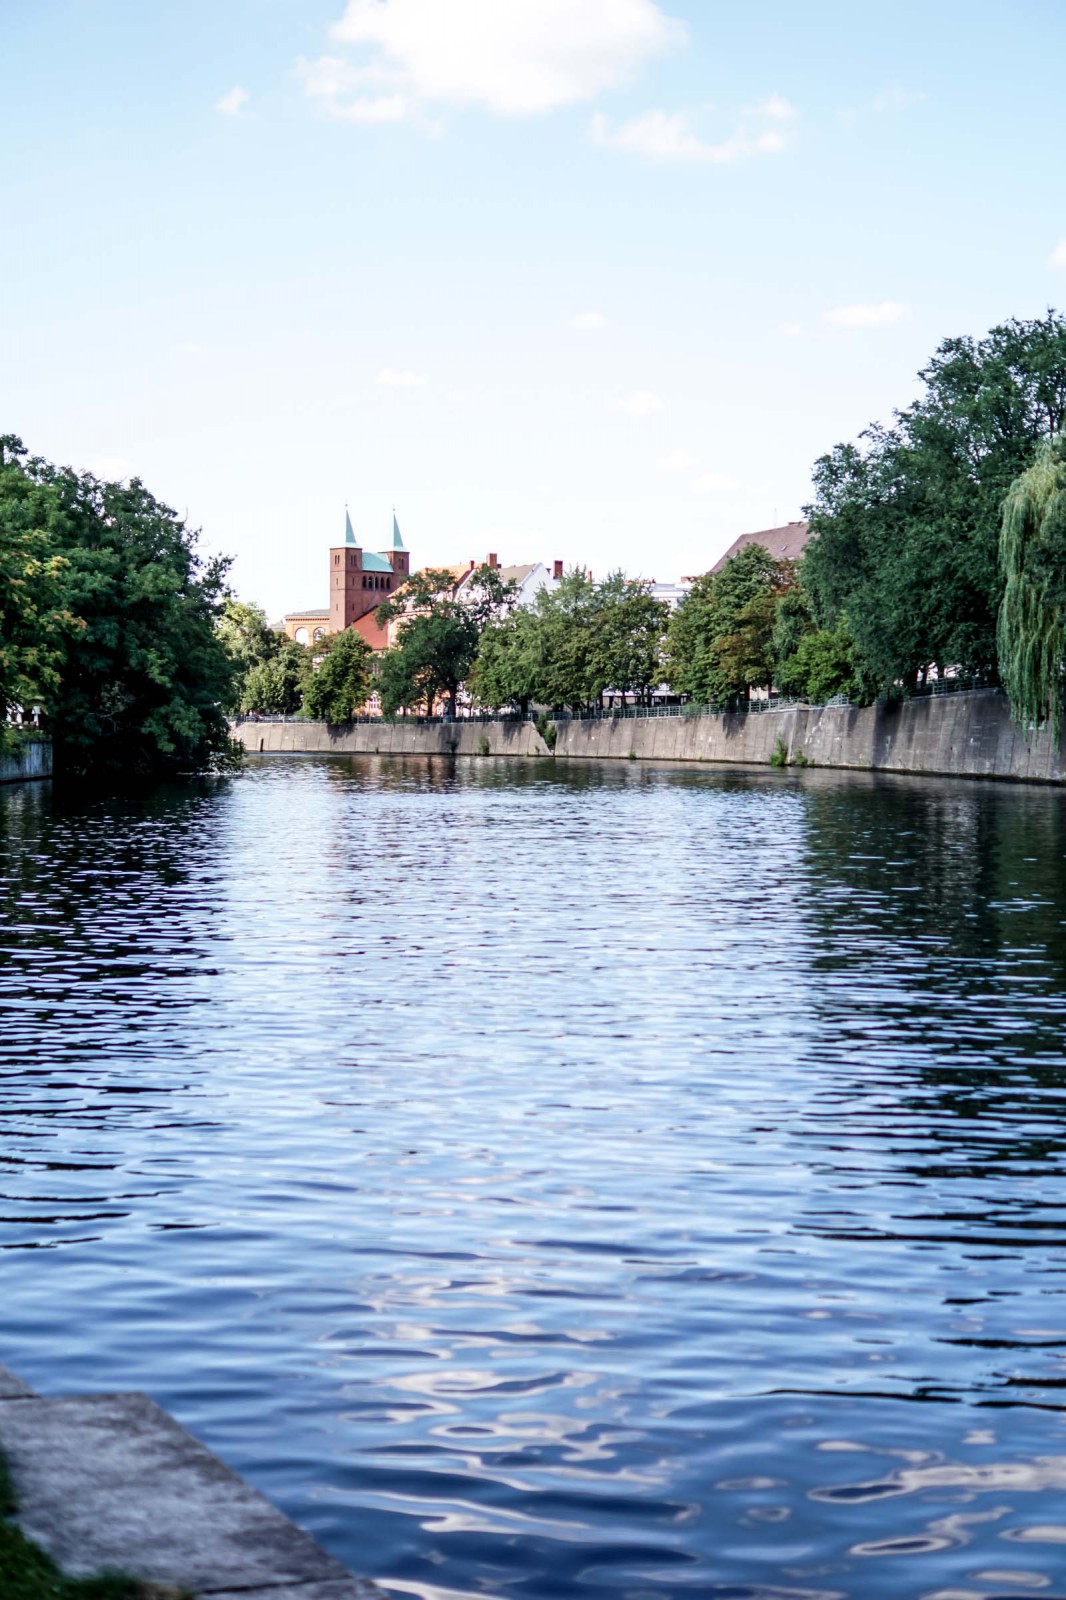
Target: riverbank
[
  {"x": 959, "y": 735},
  {"x": 32, "y": 760},
  {"x": 103, "y": 1483}
]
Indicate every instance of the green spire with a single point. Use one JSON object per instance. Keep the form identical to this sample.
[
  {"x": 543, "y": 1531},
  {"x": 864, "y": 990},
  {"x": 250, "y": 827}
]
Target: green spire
[
  {"x": 349, "y": 531},
  {"x": 397, "y": 541}
]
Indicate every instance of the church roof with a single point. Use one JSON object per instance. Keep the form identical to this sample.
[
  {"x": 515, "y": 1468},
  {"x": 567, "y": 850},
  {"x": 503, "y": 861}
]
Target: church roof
[{"x": 373, "y": 563}]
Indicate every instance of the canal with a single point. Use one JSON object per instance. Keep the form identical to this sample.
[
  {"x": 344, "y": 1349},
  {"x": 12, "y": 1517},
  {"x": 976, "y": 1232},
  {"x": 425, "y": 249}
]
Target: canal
[{"x": 560, "y": 1180}]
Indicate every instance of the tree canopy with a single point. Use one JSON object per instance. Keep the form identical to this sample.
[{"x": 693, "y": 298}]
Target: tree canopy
[
  {"x": 338, "y": 682},
  {"x": 719, "y": 644},
  {"x": 441, "y": 625},
  {"x": 906, "y": 522},
  {"x": 1032, "y": 618},
  {"x": 129, "y": 667}
]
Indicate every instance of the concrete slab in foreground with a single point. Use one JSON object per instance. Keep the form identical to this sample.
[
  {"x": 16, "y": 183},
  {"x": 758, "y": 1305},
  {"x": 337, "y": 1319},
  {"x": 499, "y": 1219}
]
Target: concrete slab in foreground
[{"x": 111, "y": 1481}]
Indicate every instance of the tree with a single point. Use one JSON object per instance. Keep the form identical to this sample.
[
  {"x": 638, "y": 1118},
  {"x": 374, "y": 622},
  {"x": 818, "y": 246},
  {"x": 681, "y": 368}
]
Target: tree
[
  {"x": 906, "y": 522},
  {"x": 440, "y": 628},
  {"x": 250, "y": 642},
  {"x": 275, "y": 686},
  {"x": 507, "y": 671},
  {"x": 627, "y": 638},
  {"x": 340, "y": 683},
  {"x": 1032, "y": 618},
  {"x": 144, "y": 678},
  {"x": 34, "y": 622},
  {"x": 719, "y": 643}
]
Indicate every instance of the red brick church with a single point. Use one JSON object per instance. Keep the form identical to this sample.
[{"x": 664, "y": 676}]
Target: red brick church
[{"x": 359, "y": 580}]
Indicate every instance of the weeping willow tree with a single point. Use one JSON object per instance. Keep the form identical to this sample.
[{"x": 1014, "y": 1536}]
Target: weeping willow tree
[{"x": 1031, "y": 634}]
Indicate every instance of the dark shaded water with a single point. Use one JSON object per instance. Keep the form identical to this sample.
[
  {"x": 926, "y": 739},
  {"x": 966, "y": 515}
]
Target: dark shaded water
[{"x": 554, "y": 1180}]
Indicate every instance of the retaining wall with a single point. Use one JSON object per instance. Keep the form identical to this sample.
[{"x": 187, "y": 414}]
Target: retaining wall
[
  {"x": 391, "y": 738},
  {"x": 965, "y": 735},
  {"x": 33, "y": 761}
]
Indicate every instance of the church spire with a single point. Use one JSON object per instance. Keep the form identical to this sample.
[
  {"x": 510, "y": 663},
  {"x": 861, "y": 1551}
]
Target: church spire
[
  {"x": 349, "y": 531},
  {"x": 397, "y": 540}
]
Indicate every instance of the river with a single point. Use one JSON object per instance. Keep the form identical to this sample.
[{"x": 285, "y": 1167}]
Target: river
[{"x": 559, "y": 1180}]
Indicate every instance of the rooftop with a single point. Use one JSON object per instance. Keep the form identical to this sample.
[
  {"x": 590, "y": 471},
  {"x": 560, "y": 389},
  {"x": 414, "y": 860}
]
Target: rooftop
[{"x": 785, "y": 543}]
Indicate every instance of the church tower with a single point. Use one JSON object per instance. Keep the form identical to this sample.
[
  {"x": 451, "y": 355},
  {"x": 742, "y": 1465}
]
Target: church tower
[{"x": 347, "y": 601}]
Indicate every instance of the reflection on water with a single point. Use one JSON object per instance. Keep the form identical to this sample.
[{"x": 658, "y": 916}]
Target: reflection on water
[{"x": 550, "y": 1179}]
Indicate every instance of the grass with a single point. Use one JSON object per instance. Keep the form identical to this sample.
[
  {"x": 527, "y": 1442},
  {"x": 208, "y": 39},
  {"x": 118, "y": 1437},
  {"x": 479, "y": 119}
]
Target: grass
[{"x": 26, "y": 1573}]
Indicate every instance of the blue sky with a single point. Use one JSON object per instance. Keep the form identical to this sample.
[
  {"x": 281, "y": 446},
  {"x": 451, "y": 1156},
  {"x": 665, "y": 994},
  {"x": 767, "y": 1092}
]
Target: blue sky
[{"x": 595, "y": 279}]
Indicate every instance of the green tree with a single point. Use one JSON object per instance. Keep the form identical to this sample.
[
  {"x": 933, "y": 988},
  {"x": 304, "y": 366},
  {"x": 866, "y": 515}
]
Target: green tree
[
  {"x": 906, "y": 522},
  {"x": 441, "y": 625},
  {"x": 340, "y": 683},
  {"x": 628, "y": 626},
  {"x": 719, "y": 643},
  {"x": 1032, "y": 618},
  {"x": 250, "y": 642},
  {"x": 35, "y": 624},
  {"x": 508, "y": 668},
  {"x": 275, "y": 686},
  {"x": 144, "y": 678}
]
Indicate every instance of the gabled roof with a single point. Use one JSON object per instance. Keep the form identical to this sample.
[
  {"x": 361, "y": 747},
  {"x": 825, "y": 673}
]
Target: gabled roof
[{"x": 784, "y": 544}]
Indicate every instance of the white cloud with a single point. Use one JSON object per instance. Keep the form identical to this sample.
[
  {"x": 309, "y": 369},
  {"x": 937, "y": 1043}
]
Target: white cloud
[
  {"x": 233, "y": 103},
  {"x": 714, "y": 483},
  {"x": 333, "y": 82},
  {"x": 588, "y": 321},
  {"x": 389, "y": 378},
  {"x": 776, "y": 107},
  {"x": 642, "y": 403},
  {"x": 677, "y": 461},
  {"x": 670, "y": 136},
  {"x": 512, "y": 57},
  {"x": 880, "y": 314},
  {"x": 1057, "y": 257}
]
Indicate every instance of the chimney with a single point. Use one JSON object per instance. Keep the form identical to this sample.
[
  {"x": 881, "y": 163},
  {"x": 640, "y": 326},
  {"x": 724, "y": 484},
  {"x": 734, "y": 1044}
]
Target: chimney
[
  {"x": 558, "y": 570},
  {"x": 493, "y": 561}
]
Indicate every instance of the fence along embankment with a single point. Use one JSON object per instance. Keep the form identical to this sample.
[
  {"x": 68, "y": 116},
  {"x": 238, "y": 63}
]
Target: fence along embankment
[{"x": 968, "y": 734}]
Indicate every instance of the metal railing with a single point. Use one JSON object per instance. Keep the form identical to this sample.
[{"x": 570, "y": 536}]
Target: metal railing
[{"x": 618, "y": 713}]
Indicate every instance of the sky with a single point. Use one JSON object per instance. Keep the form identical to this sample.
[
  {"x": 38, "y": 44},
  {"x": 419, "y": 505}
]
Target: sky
[{"x": 595, "y": 280}]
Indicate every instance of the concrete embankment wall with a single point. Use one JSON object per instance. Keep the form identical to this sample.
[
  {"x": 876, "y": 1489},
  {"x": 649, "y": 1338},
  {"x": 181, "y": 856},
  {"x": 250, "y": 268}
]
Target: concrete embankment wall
[
  {"x": 392, "y": 738},
  {"x": 965, "y": 735},
  {"x": 33, "y": 761}
]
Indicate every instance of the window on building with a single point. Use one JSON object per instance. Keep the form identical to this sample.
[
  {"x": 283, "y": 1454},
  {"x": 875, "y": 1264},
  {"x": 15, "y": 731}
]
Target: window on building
[
  {"x": 300, "y": 636},
  {"x": 320, "y": 633}
]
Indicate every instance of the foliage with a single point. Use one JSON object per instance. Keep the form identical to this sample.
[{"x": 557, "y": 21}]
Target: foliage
[
  {"x": 578, "y": 640},
  {"x": 547, "y": 729},
  {"x": 906, "y": 522},
  {"x": 250, "y": 643},
  {"x": 275, "y": 686},
  {"x": 1032, "y": 618},
  {"x": 440, "y": 629},
  {"x": 35, "y": 622},
  {"x": 508, "y": 666},
  {"x": 26, "y": 1573},
  {"x": 779, "y": 754},
  {"x": 483, "y": 746},
  {"x": 141, "y": 680},
  {"x": 340, "y": 684},
  {"x": 720, "y": 641}
]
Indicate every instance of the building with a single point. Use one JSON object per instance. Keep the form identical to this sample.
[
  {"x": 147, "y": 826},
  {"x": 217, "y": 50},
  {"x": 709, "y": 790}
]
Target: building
[
  {"x": 359, "y": 580},
  {"x": 786, "y": 543}
]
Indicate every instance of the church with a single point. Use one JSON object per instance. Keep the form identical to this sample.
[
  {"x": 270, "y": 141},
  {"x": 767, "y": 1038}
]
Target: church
[{"x": 359, "y": 580}]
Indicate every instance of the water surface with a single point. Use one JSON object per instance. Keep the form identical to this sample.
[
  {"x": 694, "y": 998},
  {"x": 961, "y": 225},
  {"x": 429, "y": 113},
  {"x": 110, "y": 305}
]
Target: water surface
[{"x": 560, "y": 1180}]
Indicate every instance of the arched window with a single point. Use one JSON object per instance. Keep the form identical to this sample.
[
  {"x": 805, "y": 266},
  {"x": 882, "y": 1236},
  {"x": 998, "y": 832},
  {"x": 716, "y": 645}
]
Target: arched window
[
  {"x": 320, "y": 633},
  {"x": 300, "y": 636}
]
